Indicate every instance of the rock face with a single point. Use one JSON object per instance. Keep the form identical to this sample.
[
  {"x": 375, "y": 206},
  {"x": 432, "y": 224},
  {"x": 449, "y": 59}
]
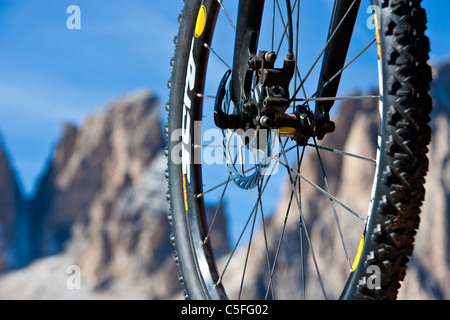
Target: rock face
[
  {"x": 12, "y": 206},
  {"x": 101, "y": 206},
  {"x": 123, "y": 244},
  {"x": 107, "y": 190},
  {"x": 104, "y": 157}
]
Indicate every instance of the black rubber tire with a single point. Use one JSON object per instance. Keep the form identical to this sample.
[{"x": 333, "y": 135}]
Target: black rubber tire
[
  {"x": 406, "y": 135},
  {"x": 402, "y": 165}
]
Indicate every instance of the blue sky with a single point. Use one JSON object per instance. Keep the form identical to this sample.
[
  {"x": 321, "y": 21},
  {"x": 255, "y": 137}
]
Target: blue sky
[{"x": 50, "y": 75}]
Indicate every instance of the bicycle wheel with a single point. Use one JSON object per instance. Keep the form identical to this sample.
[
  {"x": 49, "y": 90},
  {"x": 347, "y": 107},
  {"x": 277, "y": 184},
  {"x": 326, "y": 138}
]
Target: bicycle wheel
[{"x": 259, "y": 186}]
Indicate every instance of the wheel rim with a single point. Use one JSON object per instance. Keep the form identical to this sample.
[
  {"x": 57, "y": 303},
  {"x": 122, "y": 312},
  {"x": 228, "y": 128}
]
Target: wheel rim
[{"x": 219, "y": 270}]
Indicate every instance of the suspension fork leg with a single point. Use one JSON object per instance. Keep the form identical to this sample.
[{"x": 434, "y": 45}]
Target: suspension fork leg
[
  {"x": 343, "y": 20},
  {"x": 246, "y": 43}
]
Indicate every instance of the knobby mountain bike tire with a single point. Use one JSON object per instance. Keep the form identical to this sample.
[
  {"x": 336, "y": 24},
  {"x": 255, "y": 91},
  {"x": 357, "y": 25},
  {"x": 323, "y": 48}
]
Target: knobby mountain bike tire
[{"x": 401, "y": 49}]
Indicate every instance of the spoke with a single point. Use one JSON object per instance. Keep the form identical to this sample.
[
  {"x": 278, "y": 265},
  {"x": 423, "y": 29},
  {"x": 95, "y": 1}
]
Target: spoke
[
  {"x": 279, "y": 245},
  {"x": 207, "y": 146},
  {"x": 345, "y": 67},
  {"x": 199, "y": 95},
  {"x": 226, "y": 13},
  {"x": 336, "y": 218},
  {"x": 285, "y": 26},
  {"x": 243, "y": 230},
  {"x": 241, "y": 154},
  {"x": 342, "y": 153},
  {"x": 218, "y": 57},
  {"x": 325, "y": 47},
  {"x": 199, "y": 195},
  {"x": 322, "y": 190},
  {"x": 296, "y": 50},
  {"x": 284, "y": 228},
  {"x": 265, "y": 240},
  {"x": 248, "y": 250},
  {"x": 296, "y": 61},
  {"x": 206, "y": 240},
  {"x": 235, "y": 247},
  {"x": 258, "y": 204},
  {"x": 245, "y": 227},
  {"x": 302, "y": 258},
  {"x": 336, "y": 98},
  {"x": 302, "y": 218},
  {"x": 302, "y": 87}
]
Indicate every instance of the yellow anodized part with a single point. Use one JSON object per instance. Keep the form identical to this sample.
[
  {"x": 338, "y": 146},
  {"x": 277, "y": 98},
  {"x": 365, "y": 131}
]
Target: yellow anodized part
[
  {"x": 201, "y": 22},
  {"x": 287, "y": 130}
]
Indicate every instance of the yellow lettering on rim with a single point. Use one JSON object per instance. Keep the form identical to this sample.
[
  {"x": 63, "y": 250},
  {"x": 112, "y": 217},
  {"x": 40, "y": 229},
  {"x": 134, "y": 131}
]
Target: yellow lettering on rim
[
  {"x": 358, "y": 255},
  {"x": 184, "y": 192},
  {"x": 377, "y": 32}
]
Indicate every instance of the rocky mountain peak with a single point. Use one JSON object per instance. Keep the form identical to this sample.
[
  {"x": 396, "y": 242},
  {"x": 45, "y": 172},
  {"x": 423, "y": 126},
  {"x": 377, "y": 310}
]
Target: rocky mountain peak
[
  {"x": 440, "y": 87},
  {"x": 12, "y": 205},
  {"x": 110, "y": 150},
  {"x": 100, "y": 206}
]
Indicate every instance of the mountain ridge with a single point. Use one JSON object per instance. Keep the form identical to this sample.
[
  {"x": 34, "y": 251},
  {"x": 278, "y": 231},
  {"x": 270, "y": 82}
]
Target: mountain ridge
[{"x": 101, "y": 205}]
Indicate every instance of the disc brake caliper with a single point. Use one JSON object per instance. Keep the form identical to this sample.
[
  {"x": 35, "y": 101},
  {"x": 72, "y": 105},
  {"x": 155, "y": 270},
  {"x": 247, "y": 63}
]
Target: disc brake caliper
[
  {"x": 271, "y": 87},
  {"x": 264, "y": 100},
  {"x": 264, "y": 97}
]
